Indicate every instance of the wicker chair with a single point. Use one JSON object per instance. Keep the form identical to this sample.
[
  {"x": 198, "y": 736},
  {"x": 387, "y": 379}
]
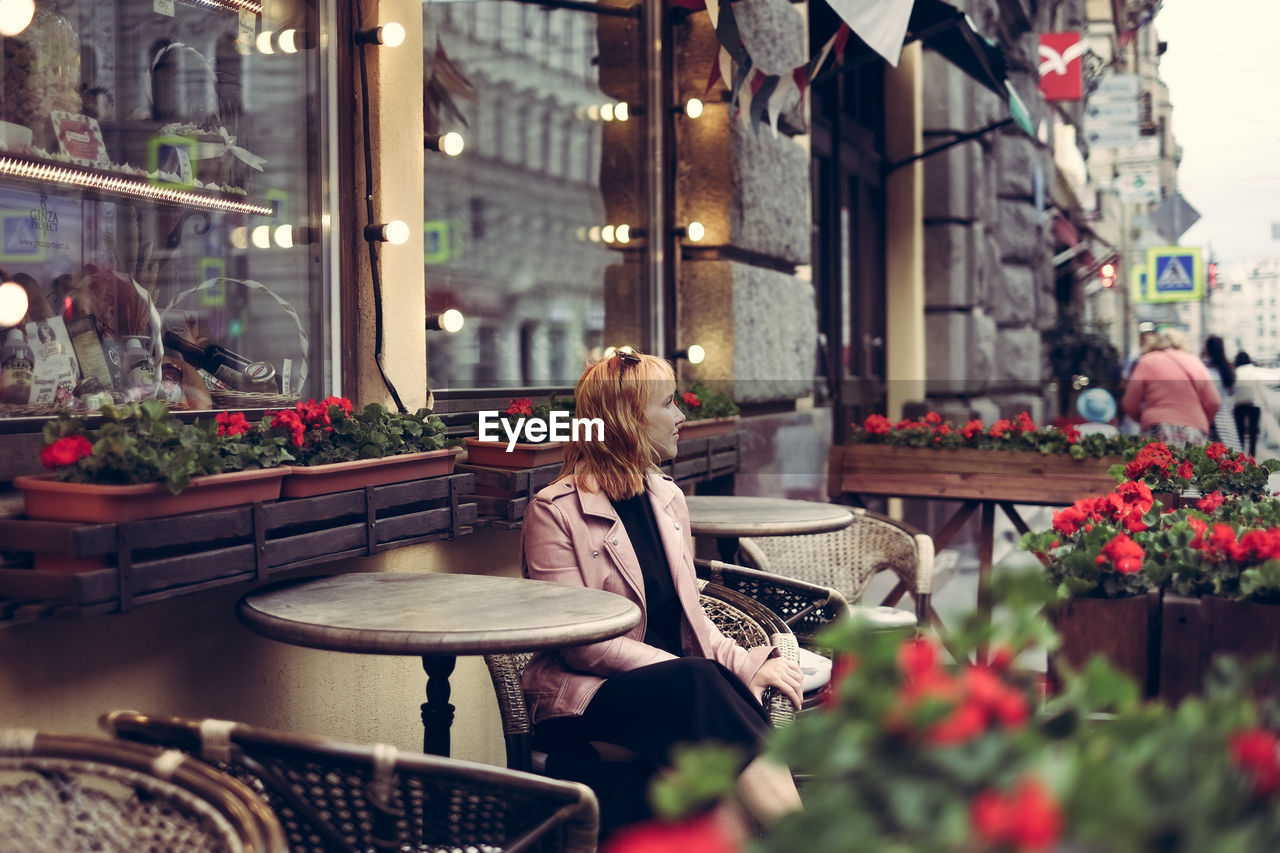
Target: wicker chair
[
  {"x": 738, "y": 617},
  {"x": 71, "y": 792},
  {"x": 846, "y": 559},
  {"x": 342, "y": 798}
]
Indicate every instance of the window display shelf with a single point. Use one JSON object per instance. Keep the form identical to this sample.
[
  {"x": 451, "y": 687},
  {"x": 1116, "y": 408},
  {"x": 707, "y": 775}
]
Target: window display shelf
[{"x": 127, "y": 186}]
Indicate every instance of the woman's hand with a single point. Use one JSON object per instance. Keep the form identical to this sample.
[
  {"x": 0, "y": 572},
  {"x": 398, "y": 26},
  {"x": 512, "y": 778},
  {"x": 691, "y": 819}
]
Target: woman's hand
[{"x": 780, "y": 673}]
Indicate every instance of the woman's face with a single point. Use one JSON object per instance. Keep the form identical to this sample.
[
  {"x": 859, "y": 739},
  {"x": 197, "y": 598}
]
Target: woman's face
[{"x": 662, "y": 419}]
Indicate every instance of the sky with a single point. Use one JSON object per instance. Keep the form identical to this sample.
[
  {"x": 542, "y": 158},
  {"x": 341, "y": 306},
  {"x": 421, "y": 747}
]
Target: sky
[{"x": 1224, "y": 85}]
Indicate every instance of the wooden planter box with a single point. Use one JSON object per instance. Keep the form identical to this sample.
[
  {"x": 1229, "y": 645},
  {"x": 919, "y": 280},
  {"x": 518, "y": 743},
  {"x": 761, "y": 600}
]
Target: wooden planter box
[
  {"x": 125, "y": 564},
  {"x": 1167, "y": 643},
  {"x": 1195, "y": 630},
  {"x": 1126, "y": 631},
  {"x": 965, "y": 474}
]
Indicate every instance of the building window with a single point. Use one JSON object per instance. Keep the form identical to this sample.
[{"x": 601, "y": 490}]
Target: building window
[
  {"x": 531, "y": 89},
  {"x": 174, "y": 104}
]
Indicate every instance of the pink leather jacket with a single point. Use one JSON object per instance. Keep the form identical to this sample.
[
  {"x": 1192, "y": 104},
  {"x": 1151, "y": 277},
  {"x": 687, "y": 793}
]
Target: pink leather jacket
[{"x": 574, "y": 536}]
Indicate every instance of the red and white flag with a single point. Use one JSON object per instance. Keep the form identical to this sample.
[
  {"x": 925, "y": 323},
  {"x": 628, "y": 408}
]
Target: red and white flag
[{"x": 1061, "y": 66}]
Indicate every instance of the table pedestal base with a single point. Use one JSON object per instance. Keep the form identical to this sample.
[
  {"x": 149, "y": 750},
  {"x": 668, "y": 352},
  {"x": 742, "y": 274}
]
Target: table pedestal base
[{"x": 437, "y": 713}]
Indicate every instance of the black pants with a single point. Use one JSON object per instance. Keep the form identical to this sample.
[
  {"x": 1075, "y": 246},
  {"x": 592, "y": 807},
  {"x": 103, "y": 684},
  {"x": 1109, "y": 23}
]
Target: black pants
[
  {"x": 649, "y": 710},
  {"x": 1247, "y": 416}
]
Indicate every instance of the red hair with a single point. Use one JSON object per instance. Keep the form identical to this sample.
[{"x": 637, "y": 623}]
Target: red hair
[{"x": 617, "y": 392}]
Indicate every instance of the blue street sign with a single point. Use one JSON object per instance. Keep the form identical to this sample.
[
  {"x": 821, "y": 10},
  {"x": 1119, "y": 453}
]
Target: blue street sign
[{"x": 1174, "y": 274}]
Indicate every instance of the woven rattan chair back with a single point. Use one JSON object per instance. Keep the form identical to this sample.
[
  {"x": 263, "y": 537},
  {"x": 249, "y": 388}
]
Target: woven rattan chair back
[
  {"x": 70, "y": 793},
  {"x": 345, "y": 798},
  {"x": 847, "y": 559},
  {"x": 744, "y": 621},
  {"x": 804, "y": 607}
]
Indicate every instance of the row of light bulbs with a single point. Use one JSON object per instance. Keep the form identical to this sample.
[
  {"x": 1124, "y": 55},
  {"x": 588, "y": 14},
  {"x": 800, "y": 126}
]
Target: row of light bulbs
[
  {"x": 694, "y": 353},
  {"x": 622, "y": 111},
  {"x": 623, "y": 234}
]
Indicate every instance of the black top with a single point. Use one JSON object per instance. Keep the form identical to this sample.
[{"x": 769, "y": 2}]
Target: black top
[{"x": 662, "y": 607}]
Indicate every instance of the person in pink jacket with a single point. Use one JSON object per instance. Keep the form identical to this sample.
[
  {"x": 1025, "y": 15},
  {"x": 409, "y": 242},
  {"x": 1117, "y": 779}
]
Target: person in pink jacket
[
  {"x": 1170, "y": 392},
  {"x": 614, "y": 522}
]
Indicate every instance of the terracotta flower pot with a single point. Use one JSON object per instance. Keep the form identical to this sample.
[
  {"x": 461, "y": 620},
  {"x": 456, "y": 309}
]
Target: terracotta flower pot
[
  {"x": 495, "y": 454},
  {"x": 708, "y": 427},
  {"x": 305, "y": 481},
  {"x": 50, "y": 499}
]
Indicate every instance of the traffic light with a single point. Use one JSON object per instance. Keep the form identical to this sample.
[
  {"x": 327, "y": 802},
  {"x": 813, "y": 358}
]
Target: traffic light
[{"x": 1108, "y": 274}]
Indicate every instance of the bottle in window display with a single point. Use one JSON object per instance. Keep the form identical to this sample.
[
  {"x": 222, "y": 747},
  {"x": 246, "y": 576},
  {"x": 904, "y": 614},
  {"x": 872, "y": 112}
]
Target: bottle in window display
[
  {"x": 17, "y": 366},
  {"x": 222, "y": 364}
]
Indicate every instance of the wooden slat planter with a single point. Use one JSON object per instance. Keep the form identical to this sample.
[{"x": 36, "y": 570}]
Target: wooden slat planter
[
  {"x": 114, "y": 567},
  {"x": 1126, "y": 631},
  {"x": 1195, "y": 630},
  {"x": 1167, "y": 643},
  {"x": 964, "y": 474}
]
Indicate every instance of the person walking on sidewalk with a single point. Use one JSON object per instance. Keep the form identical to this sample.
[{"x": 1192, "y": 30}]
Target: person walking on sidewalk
[
  {"x": 1247, "y": 397},
  {"x": 1171, "y": 393}
]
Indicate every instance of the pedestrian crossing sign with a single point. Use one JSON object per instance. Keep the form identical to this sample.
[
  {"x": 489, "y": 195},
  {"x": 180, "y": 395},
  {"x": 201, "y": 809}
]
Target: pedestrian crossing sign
[{"x": 1174, "y": 274}]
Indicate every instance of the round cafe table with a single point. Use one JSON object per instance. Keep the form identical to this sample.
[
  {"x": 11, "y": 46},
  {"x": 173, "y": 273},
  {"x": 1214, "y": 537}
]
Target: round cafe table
[
  {"x": 728, "y": 517},
  {"x": 437, "y": 617}
]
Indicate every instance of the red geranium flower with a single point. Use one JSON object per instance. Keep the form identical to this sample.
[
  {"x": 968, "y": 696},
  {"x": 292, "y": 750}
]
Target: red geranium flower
[
  {"x": 1125, "y": 554},
  {"x": 67, "y": 450},
  {"x": 520, "y": 406},
  {"x": 291, "y": 421},
  {"x": 1257, "y": 751},
  {"x": 972, "y": 428},
  {"x": 933, "y": 418},
  {"x": 691, "y": 399},
  {"x": 1026, "y": 817},
  {"x": 1000, "y": 427},
  {"x": 705, "y": 833},
  {"x": 341, "y": 402},
  {"x": 877, "y": 425},
  {"x": 1210, "y": 502},
  {"x": 231, "y": 423}
]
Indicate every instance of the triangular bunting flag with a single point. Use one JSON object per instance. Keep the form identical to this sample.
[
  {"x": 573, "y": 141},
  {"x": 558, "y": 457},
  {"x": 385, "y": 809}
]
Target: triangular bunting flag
[
  {"x": 713, "y": 12},
  {"x": 762, "y": 90},
  {"x": 882, "y": 24},
  {"x": 780, "y": 100}
]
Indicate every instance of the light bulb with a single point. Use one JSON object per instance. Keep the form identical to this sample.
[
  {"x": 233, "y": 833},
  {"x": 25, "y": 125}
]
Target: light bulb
[
  {"x": 621, "y": 112},
  {"x": 15, "y": 15},
  {"x": 284, "y": 236},
  {"x": 452, "y": 144},
  {"x": 240, "y": 237},
  {"x": 696, "y": 354},
  {"x": 395, "y": 232},
  {"x": 607, "y": 234},
  {"x": 263, "y": 42},
  {"x": 606, "y": 112},
  {"x": 622, "y": 233},
  {"x": 695, "y": 231},
  {"x": 288, "y": 41},
  {"x": 593, "y": 233},
  {"x": 593, "y": 112},
  {"x": 451, "y": 321},
  {"x": 392, "y": 34},
  {"x": 261, "y": 236},
  {"x": 693, "y": 108},
  {"x": 13, "y": 303}
]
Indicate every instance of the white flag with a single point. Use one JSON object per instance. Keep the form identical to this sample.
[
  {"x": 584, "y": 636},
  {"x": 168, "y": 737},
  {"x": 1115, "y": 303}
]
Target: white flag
[{"x": 882, "y": 24}]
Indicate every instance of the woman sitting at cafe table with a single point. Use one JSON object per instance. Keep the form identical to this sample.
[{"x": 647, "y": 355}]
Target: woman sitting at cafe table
[{"x": 614, "y": 522}]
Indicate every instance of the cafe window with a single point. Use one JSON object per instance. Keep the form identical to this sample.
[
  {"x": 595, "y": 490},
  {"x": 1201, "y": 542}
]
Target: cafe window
[
  {"x": 523, "y": 223},
  {"x": 160, "y": 204}
]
